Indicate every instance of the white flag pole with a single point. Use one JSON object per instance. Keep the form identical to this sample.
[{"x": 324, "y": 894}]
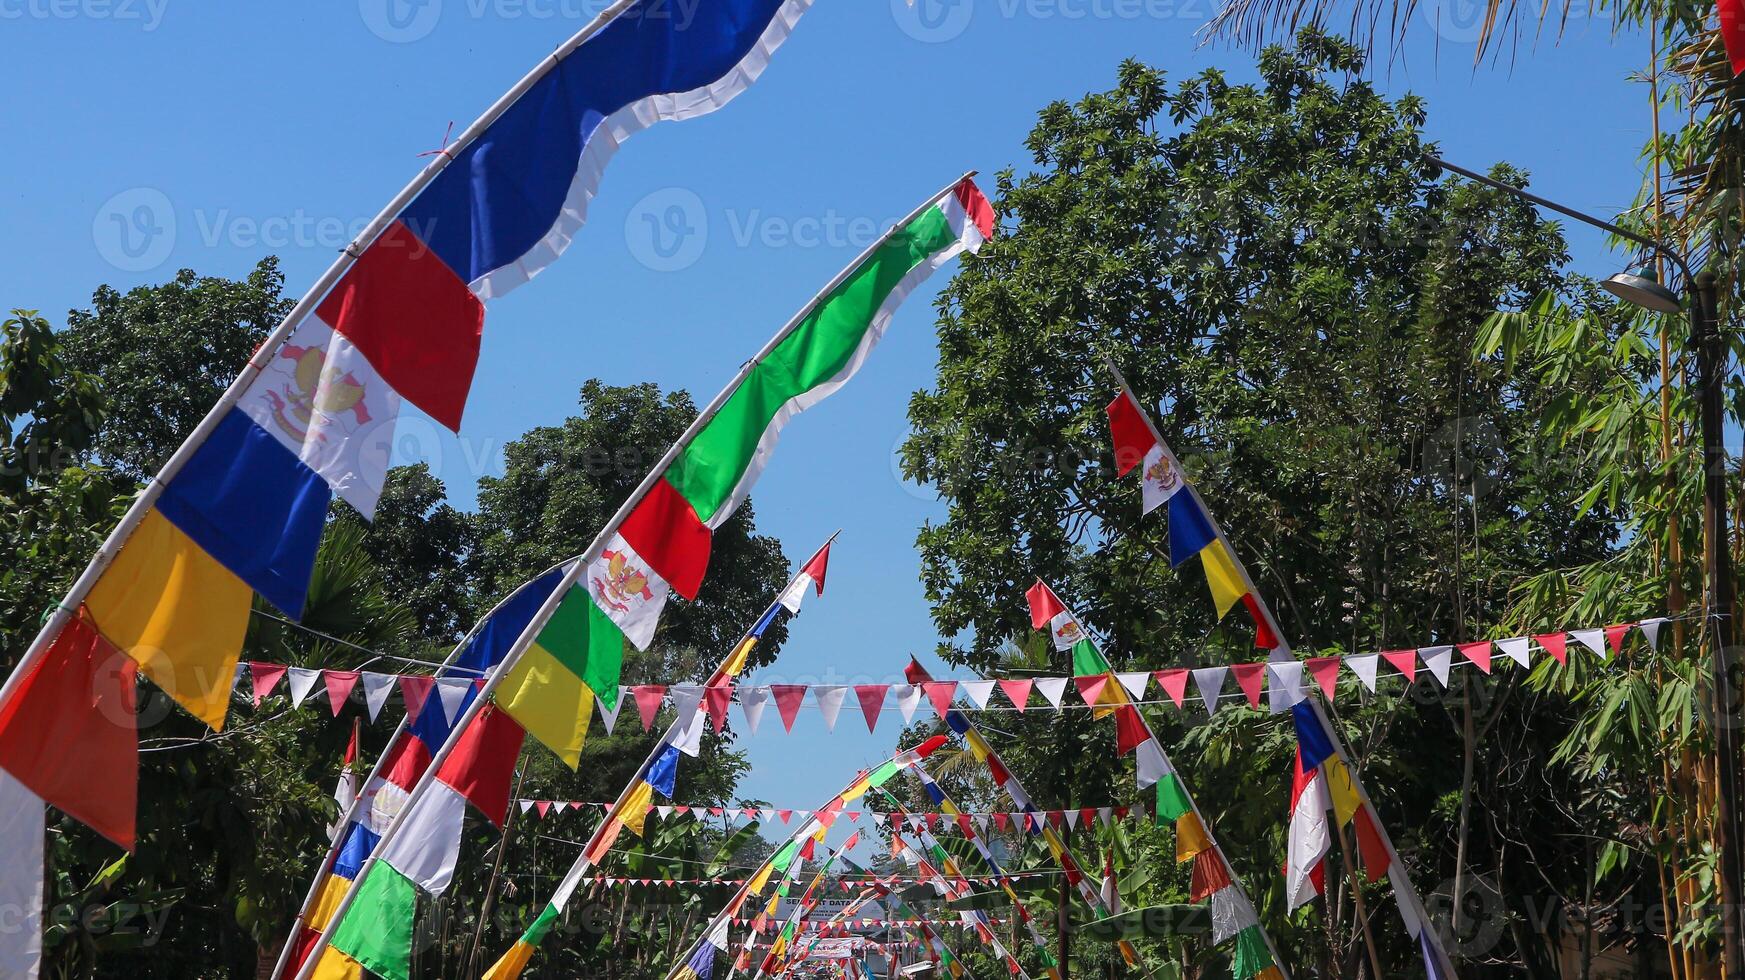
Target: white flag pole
[
  {"x": 358, "y": 803},
  {"x": 269, "y": 349},
  {"x": 1411, "y": 899},
  {"x": 593, "y": 550}
]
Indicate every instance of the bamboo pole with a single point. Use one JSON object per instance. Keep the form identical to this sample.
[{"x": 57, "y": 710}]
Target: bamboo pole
[{"x": 1411, "y": 900}]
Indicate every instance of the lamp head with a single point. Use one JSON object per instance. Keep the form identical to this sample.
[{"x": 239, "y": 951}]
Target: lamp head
[{"x": 1640, "y": 287}]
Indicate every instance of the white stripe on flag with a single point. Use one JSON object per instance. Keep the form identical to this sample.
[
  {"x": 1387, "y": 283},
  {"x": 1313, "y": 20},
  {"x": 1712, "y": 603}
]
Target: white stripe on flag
[
  {"x": 428, "y": 845},
  {"x": 22, "y": 826}
]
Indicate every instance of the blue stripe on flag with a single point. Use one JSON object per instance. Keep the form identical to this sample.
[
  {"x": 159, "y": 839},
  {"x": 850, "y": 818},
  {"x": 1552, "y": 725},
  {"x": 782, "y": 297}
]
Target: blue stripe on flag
[
  {"x": 253, "y": 506},
  {"x": 506, "y": 190},
  {"x": 1313, "y": 739},
  {"x": 493, "y": 640},
  {"x": 359, "y": 842},
  {"x": 1190, "y": 530}
]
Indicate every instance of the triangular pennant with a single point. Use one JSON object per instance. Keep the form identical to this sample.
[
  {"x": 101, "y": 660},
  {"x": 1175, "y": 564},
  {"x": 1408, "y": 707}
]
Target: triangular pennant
[
  {"x": 377, "y": 687},
  {"x": 1210, "y": 682},
  {"x": 908, "y": 699},
  {"x": 544, "y": 807},
  {"x": 751, "y": 704},
  {"x": 1072, "y": 819},
  {"x": 1017, "y": 692},
  {"x": 978, "y": 691},
  {"x": 339, "y": 687},
  {"x": 648, "y": 698},
  {"x": 415, "y": 690},
  {"x": 1135, "y": 682},
  {"x": 829, "y": 698},
  {"x": 715, "y": 700},
  {"x": 1364, "y": 666},
  {"x": 1251, "y": 678},
  {"x": 1651, "y": 631},
  {"x": 1479, "y": 653},
  {"x": 451, "y": 693},
  {"x": 1325, "y": 671},
  {"x": 1052, "y": 689},
  {"x": 1437, "y": 660},
  {"x": 302, "y": 682},
  {"x": 788, "y": 698},
  {"x": 266, "y": 677},
  {"x": 1284, "y": 684},
  {"x": 1556, "y": 644},
  {"x": 1516, "y": 648},
  {"x": 872, "y": 701},
  {"x": 609, "y": 716},
  {"x": 1404, "y": 661},
  {"x": 1174, "y": 683},
  {"x": 939, "y": 694},
  {"x": 1615, "y": 636},
  {"x": 1091, "y": 687},
  {"x": 1594, "y": 640}
]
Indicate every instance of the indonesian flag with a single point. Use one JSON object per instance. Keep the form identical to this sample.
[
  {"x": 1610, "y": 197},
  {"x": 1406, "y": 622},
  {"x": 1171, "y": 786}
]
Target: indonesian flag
[
  {"x": 1111, "y": 893},
  {"x": 1309, "y": 840},
  {"x": 1732, "y": 14}
]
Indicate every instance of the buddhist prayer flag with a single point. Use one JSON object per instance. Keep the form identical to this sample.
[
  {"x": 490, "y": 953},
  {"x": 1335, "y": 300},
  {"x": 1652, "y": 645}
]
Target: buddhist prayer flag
[
  {"x": 1320, "y": 782},
  {"x": 1191, "y": 531}
]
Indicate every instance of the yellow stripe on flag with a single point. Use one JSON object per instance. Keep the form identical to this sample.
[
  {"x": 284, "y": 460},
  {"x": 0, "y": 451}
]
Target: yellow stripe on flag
[
  {"x": 328, "y": 902},
  {"x": 1346, "y": 802},
  {"x": 978, "y": 746},
  {"x": 1190, "y": 837},
  {"x": 512, "y": 963},
  {"x": 178, "y": 613},
  {"x": 550, "y": 701},
  {"x": 1222, "y": 576},
  {"x": 635, "y": 809},
  {"x": 736, "y": 662},
  {"x": 761, "y": 879},
  {"x": 335, "y": 965}
]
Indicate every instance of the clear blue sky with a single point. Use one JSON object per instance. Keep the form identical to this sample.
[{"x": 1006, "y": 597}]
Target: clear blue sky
[{"x": 251, "y": 129}]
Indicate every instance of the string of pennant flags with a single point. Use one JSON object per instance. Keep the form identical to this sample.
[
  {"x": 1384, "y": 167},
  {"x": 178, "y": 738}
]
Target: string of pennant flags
[
  {"x": 846, "y": 884},
  {"x": 260, "y": 680},
  {"x": 1003, "y": 819}
]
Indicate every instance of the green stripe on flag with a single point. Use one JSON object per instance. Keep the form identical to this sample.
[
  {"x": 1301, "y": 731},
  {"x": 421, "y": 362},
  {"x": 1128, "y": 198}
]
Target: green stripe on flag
[
  {"x": 817, "y": 351},
  {"x": 1087, "y": 660},
  {"x": 1251, "y": 955},
  {"x": 377, "y": 928},
  {"x": 541, "y": 926},
  {"x": 582, "y": 638},
  {"x": 1172, "y": 799}
]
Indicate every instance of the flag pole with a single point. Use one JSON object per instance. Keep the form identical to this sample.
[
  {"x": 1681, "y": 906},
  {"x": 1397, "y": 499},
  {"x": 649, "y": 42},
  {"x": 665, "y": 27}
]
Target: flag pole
[
  {"x": 1194, "y": 806},
  {"x": 582, "y": 860},
  {"x": 593, "y": 550},
  {"x": 269, "y": 348},
  {"x": 1414, "y": 903},
  {"x": 352, "y": 811}
]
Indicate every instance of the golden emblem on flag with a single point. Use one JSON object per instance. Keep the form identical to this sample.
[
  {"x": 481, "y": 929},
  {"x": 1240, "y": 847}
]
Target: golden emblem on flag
[
  {"x": 622, "y": 584},
  {"x": 312, "y": 393},
  {"x": 1162, "y": 473},
  {"x": 1069, "y": 632}
]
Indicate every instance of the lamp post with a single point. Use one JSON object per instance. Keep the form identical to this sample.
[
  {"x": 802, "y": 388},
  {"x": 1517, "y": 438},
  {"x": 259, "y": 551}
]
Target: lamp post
[{"x": 1641, "y": 288}]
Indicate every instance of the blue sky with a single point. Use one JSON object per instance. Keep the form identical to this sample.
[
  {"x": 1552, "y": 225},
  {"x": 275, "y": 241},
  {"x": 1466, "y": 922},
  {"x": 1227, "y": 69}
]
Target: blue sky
[{"x": 149, "y": 135}]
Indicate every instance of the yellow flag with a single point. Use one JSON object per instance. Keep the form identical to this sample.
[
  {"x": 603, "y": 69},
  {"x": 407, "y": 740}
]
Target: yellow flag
[
  {"x": 512, "y": 963},
  {"x": 1339, "y": 786},
  {"x": 1222, "y": 576},
  {"x": 550, "y": 702},
  {"x": 1190, "y": 837},
  {"x": 736, "y": 662},
  {"x": 178, "y": 613},
  {"x": 335, "y": 965},
  {"x": 635, "y": 810}
]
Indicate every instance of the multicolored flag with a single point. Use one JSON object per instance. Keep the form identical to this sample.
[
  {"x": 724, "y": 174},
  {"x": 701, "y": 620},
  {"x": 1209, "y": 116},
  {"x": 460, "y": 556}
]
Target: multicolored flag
[
  {"x": 1191, "y": 530},
  {"x": 1320, "y": 782}
]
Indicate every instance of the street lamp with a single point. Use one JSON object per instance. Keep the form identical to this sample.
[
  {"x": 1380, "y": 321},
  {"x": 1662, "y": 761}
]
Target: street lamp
[{"x": 1641, "y": 287}]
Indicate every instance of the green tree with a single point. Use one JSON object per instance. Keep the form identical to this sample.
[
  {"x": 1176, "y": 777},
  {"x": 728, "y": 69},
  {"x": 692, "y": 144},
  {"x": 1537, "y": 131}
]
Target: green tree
[
  {"x": 1275, "y": 265},
  {"x": 166, "y": 352}
]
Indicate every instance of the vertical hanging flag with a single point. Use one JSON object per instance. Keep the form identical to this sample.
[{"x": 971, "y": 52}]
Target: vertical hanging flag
[
  {"x": 22, "y": 820},
  {"x": 1191, "y": 531},
  {"x": 1320, "y": 783},
  {"x": 1732, "y": 20}
]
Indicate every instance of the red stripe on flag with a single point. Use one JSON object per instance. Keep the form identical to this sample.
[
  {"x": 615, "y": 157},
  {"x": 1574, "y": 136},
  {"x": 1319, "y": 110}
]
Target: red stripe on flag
[
  {"x": 69, "y": 732},
  {"x": 415, "y": 320},
  {"x": 1733, "y": 31},
  {"x": 668, "y": 535},
  {"x": 1044, "y": 604},
  {"x": 1133, "y": 438},
  {"x": 483, "y": 762},
  {"x": 975, "y": 204}
]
